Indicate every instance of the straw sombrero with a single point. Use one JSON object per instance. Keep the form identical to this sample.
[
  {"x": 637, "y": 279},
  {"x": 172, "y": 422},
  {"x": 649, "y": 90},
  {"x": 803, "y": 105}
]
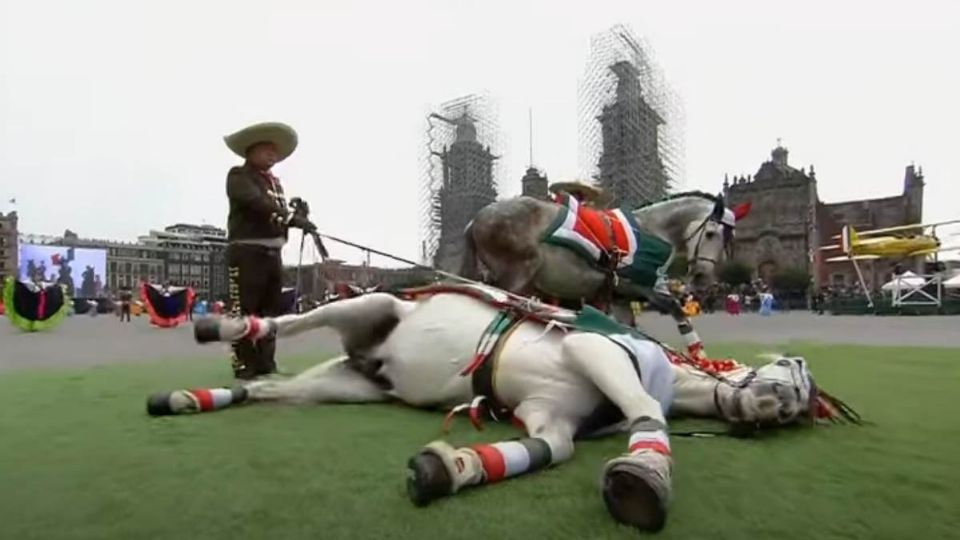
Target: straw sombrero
[
  {"x": 281, "y": 135},
  {"x": 587, "y": 192}
]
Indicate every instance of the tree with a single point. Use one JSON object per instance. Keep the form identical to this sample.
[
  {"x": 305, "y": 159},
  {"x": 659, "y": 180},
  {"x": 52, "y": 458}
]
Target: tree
[
  {"x": 734, "y": 273},
  {"x": 791, "y": 280}
]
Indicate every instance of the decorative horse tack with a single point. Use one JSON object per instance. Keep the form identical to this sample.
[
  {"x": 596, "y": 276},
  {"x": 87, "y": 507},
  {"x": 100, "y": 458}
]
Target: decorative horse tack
[{"x": 483, "y": 366}]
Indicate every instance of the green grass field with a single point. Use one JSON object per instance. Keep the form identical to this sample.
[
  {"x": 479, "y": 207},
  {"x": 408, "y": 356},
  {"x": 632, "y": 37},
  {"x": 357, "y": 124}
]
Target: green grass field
[{"x": 79, "y": 458}]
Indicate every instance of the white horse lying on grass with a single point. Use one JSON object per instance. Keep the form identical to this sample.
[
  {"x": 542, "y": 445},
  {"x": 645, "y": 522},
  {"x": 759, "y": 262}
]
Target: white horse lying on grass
[{"x": 561, "y": 375}]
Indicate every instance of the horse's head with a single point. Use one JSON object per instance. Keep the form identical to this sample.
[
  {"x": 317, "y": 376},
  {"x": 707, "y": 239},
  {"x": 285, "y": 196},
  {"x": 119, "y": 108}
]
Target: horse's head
[
  {"x": 779, "y": 393},
  {"x": 709, "y": 237}
]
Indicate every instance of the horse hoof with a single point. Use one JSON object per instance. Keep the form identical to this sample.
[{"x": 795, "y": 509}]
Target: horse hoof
[
  {"x": 632, "y": 501},
  {"x": 206, "y": 330},
  {"x": 427, "y": 479},
  {"x": 159, "y": 405}
]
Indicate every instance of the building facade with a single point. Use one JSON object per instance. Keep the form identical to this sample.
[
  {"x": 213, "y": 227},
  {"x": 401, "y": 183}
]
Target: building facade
[
  {"x": 8, "y": 246},
  {"x": 193, "y": 256},
  {"x": 467, "y": 187},
  {"x": 630, "y": 165},
  {"x": 180, "y": 255},
  {"x": 128, "y": 263},
  {"x": 534, "y": 184},
  {"x": 788, "y": 222}
]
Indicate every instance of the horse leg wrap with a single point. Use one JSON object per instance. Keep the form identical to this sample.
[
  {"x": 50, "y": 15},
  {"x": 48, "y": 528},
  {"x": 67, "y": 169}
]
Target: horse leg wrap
[
  {"x": 440, "y": 469},
  {"x": 642, "y": 441},
  {"x": 694, "y": 344},
  {"x": 193, "y": 401},
  {"x": 511, "y": 458},
  {"x": 257, "y": 328}
]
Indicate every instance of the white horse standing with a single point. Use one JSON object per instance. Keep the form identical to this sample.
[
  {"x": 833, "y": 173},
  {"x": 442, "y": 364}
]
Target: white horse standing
[{"x": 557, "y": 379}]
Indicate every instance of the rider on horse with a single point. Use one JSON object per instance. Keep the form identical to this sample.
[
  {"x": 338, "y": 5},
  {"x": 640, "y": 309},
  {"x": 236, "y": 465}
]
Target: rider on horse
[{"x": 586, "y": 194}]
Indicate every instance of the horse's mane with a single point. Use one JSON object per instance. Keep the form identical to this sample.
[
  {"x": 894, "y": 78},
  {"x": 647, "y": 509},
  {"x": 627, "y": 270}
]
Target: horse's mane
[{"x": 695, "y": 193}]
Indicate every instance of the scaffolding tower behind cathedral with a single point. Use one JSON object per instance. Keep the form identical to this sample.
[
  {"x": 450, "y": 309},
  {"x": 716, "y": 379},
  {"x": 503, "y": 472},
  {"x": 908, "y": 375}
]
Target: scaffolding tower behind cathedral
[
  {"x": 631, "y": 121},
  {"x": 460, "y": 172}
]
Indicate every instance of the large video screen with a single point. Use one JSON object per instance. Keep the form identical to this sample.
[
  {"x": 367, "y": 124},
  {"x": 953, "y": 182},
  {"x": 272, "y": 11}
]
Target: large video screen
[{"x": 82, "y": 270}]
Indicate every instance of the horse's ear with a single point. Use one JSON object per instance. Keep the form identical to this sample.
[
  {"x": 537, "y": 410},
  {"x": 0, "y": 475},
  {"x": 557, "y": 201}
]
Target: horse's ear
[
  {"x": 718, "y": 209},
  {"x": 740, "y": 211}
]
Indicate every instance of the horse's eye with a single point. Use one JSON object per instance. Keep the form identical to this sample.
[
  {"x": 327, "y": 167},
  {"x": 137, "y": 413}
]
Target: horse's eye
[{"x": 710, "y": 235}]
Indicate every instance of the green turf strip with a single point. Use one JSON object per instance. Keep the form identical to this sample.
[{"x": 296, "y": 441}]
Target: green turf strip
[{"x": 79, "y": 458}]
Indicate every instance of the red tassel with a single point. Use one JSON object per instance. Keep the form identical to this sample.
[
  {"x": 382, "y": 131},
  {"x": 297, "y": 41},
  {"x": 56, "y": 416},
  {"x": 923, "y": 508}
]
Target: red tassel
[{"x": 740, "y": 211}]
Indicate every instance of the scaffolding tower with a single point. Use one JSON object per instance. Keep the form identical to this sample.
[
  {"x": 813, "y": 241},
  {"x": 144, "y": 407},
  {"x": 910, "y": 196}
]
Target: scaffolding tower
[
  {"x": 631, "y": 121},
  {"x": 460, "y": 172}
]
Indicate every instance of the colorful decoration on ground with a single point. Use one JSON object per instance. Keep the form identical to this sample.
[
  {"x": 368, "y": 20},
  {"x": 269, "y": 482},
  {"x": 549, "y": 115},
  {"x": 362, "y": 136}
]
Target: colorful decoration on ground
[
  {"x": 34, "y": 307},
  {"x": 167, "y": 306}
]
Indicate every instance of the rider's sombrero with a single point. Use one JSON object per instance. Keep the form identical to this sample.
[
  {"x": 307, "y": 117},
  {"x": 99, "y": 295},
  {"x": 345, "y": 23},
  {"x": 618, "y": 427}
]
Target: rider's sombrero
[
  {"x": 281, "y": 135},
  {"x": 587, "y": 192}
]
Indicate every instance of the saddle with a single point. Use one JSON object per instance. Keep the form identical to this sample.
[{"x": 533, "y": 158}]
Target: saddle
[{"x": 611, "y": 240}]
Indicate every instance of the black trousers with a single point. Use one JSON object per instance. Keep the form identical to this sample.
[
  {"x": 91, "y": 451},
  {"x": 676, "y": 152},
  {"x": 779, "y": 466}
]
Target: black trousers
[{"x": 256, "y": 283}]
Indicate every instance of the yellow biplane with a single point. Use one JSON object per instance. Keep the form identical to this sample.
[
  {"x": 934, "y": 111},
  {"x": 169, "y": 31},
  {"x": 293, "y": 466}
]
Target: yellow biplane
[
  {"x": 879, "y": 243},
  {"x": 887, "y": 244}
]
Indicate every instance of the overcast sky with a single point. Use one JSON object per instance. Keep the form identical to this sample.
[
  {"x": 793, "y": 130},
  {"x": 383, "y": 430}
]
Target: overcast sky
[{"x": 112, "y": 112}]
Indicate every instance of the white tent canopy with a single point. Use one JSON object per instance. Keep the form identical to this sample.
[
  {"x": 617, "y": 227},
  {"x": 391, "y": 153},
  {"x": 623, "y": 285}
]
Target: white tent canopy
[
  {"x": 952, "y": 283},
  {"x": 906, "y": 280}
]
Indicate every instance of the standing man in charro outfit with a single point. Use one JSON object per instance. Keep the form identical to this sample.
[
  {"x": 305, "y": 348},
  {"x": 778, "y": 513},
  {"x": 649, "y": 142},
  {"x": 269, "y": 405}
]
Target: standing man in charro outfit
[{"x": 257, "y": 229}]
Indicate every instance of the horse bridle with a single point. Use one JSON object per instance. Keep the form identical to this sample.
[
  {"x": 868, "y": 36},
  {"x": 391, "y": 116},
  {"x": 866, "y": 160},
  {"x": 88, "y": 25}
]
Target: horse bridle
[{"x": 701, "y": 230}]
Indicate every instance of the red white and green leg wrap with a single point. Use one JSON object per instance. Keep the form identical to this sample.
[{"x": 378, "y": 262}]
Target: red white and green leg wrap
[
  {"x": 195, "y": 400},
  {"x": 256, "y": 328},
  {"x": 488, "y": 463},
  {"x": 646, "y": 441},
  {"x": 693, "y": 341},
  {"x": 211, "y": 329},
  {"x": 512, "y": 458}
]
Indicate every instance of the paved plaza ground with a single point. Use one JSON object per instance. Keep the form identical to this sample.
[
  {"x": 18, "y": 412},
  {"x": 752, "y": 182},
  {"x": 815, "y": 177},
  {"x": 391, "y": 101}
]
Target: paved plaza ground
[{"x": 87, "y": 341}]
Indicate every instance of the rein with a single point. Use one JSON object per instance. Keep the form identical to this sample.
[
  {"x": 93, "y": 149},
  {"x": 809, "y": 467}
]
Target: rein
[
  {"x": 702, "y": 229},
  {"x": 523, "y": 299},
  {"x": 526, "y": 304}
]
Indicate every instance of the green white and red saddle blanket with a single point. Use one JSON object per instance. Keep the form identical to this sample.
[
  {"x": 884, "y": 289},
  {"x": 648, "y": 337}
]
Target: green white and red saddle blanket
[{"x": 601, "y": 234}]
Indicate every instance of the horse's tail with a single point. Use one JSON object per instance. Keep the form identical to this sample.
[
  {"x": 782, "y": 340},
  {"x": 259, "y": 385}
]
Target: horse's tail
[{"x": 468, "y": 266}]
